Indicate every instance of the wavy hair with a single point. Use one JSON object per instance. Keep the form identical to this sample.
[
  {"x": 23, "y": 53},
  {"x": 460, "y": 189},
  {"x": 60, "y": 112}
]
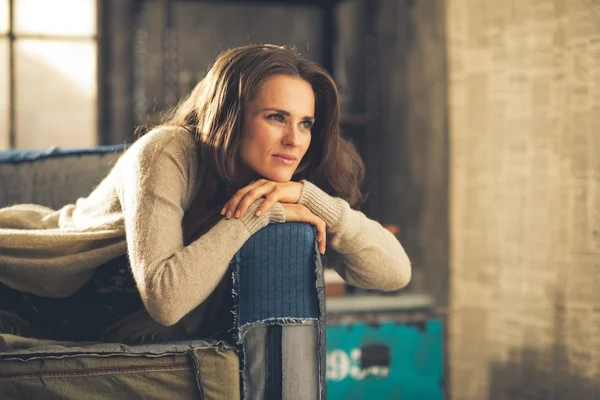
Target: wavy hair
[{"x": 213, "y": 111}]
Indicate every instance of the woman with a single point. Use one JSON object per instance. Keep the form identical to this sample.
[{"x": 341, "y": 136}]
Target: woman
[{"x": 256, "y": 142}]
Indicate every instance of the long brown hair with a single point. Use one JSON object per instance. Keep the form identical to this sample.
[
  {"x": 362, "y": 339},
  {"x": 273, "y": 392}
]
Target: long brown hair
[{"x": 214, "y": 111}]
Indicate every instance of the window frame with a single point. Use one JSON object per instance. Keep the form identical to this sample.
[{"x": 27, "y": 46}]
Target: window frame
[{"x": 12, "y": 37}]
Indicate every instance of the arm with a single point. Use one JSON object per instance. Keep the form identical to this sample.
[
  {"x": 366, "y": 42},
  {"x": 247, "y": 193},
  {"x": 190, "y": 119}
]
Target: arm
[
  {"x": 173, "y": 279},
  {"x": 372, "y": 256}
]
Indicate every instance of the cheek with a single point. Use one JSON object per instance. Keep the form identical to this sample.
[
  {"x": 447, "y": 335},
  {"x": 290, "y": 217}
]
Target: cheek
[
  {"x": 266, "y": 135},
  {"x": 251, "y": 133},
  {"x": 258, "y": 139}
]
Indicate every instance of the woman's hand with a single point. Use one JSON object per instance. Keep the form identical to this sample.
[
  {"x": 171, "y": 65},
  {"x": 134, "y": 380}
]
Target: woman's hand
[
  {"x": 273, "y": 192},
  {"x": 287, "y": 194},
  {"x": 299, "y": 213}
]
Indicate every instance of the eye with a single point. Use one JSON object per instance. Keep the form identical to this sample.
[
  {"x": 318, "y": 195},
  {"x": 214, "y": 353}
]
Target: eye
[
  {"x": 275, "y": 117},
  {"x": 308, "y": 124}
]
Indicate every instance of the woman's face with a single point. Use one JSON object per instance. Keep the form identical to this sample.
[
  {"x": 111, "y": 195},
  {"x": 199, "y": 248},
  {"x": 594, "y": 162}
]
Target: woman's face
[{"x": 276, "y": 129}]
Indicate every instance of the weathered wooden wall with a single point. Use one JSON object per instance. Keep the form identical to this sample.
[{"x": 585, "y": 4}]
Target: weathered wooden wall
[{"x": 524, "y": 112}]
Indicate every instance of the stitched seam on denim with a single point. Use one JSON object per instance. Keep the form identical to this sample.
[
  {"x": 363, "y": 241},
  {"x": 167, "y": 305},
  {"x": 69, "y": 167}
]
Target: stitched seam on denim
[
  {"x": 321, "y": 333},
  {"x": 97, "y": 372},
  {"x": 241, "y": 348},
  {"x": 280, "y": 321},
  {"x": 58, "y": 356},
  {"x": 278, "y": 351},
  {"x": 267, "y": 354},
  {"x": 197, "y": 373},
  {"x": 236, "y": 299}
]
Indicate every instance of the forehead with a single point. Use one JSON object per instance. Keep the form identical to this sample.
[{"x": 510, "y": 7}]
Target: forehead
[{"x": 288, "y": 93}]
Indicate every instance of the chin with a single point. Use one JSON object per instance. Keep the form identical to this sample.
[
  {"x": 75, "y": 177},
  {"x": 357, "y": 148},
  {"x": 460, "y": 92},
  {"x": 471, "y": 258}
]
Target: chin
[{"x": 278, "y": 177}]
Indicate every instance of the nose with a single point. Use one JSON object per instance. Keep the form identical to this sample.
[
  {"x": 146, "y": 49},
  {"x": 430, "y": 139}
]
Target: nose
[{"x": 291, "y": 136}]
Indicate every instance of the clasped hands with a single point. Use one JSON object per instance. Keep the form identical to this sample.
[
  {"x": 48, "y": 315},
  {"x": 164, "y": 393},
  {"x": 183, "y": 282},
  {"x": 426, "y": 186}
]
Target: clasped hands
[{"x": 286, "y": 193}]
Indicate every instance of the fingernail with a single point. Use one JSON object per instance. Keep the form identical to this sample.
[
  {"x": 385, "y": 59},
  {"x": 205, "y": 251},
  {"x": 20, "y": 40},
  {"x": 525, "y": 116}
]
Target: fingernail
[
  {"x": 228, "y": 214},
  {"x": 258, "y": 213},
  {"x": 237, "y": 214},
  {"x": 223, "y": 211}
]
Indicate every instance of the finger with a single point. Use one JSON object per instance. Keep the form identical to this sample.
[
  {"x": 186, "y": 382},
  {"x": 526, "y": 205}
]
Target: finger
[
  {"x": 270, "y": 200},
  {"x": 232, "y": 205},
  {"x": 321, "y": 228},
  {"x": 224, "y": 209},
  {"x": 253, "y": 195},
  {"x": 322, "y": 236}
]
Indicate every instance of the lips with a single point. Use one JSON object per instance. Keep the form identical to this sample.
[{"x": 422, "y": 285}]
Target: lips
[
  {"x": 288, "y": 157},
  {"x": 285, "y": 159}
]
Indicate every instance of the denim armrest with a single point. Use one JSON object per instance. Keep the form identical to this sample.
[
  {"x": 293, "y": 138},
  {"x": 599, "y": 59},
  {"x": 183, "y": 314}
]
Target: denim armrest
[{"x": 280, "y": 313}]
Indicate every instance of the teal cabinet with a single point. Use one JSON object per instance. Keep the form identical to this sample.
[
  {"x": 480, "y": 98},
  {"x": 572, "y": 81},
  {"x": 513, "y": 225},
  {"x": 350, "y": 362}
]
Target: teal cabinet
[{"x": 389, "y": 359}]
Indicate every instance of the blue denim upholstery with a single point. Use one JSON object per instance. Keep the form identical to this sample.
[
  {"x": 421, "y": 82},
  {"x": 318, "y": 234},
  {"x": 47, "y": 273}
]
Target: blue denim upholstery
[
  {"x": 279, "y": 297},
  {"x": 275, "y": 271}
]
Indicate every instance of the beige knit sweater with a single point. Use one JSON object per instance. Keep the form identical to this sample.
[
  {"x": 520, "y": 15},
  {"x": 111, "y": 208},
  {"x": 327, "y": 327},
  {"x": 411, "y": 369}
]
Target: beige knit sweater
[{"x": 138, "y": 209}]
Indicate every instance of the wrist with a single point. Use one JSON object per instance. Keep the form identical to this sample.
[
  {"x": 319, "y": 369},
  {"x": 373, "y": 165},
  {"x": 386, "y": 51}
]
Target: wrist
[
  {"x": 324, "y": 206},
  {"x": 275, "y": 214}
]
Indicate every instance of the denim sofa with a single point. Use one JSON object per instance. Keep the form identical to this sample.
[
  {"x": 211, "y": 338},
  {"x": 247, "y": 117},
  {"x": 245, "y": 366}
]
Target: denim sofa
[{"x": 278, "y": 293}]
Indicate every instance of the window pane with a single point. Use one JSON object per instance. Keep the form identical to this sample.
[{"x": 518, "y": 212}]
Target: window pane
[
  {"x": 56, "y": 93},
  {"x": 3, "y": 16},
  {"x": 4, "y": 94},
  {"x": 56, "y": 17}
]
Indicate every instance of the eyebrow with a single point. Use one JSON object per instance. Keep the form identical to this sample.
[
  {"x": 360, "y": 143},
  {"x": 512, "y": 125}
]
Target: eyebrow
[{"x": 286, "y": 113}]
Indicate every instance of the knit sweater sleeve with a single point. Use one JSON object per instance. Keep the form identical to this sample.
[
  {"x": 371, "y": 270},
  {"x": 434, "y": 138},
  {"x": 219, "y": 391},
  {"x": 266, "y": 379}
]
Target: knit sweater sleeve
[
  {"x": 172, "y": 278},
  {"x": 362, "y": 251}
]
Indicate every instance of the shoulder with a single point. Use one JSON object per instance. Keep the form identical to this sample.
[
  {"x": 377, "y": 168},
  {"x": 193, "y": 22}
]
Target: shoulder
[
  {"x": 163, "y": 153},
  {"x": 164, "y": 145},
  {"x": 165, "y": 139}
]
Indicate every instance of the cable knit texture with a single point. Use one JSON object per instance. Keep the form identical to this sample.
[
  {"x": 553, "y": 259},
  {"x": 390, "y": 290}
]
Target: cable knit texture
[
  {"x": 276, "y": 214},
  {"x": 362, "y": 251},
  {"x": 138, "y": 209}
]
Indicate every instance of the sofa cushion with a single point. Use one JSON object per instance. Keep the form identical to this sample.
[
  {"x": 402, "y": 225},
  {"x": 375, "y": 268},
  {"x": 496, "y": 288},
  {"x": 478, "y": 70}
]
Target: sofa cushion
[
  {"x": 181, "y": 370},
  {"x": 53, "y": 178}
]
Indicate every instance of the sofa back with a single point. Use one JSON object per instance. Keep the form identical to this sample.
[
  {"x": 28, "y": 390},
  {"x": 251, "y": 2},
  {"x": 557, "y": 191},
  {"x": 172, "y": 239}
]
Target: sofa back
[{"x": 53, "y": 178}]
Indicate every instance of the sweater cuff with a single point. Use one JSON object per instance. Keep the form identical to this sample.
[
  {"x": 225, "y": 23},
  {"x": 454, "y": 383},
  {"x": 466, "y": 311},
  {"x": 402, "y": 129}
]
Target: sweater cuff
[
  {"x": 324, "y": 206},
  {"x": 276, "y": 214}
]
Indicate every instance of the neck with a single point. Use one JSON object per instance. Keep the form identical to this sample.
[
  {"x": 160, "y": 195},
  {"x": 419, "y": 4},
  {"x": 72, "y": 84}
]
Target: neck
[{"x": 243, "y": 177}]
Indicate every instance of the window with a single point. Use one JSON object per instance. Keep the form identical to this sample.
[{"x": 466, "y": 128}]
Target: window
[
  {"x": 48, "y": 78},
  {"x": 4, "y": 75}
]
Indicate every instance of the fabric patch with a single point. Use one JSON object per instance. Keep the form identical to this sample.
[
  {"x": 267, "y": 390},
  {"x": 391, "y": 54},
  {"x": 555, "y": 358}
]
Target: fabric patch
[
  {"x": 300, "y": 361},
  {"x": 278, "y": 285},
  {"x": 253, "y": 340},
  {"x": 122, "y": 372},
  {"x": 274, "y": 362},
  {"x": 275, "y": 274}
]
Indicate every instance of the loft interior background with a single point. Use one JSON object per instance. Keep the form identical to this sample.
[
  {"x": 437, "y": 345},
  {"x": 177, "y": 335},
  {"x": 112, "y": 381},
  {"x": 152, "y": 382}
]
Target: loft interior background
[{"x": 80, "y": 73}]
